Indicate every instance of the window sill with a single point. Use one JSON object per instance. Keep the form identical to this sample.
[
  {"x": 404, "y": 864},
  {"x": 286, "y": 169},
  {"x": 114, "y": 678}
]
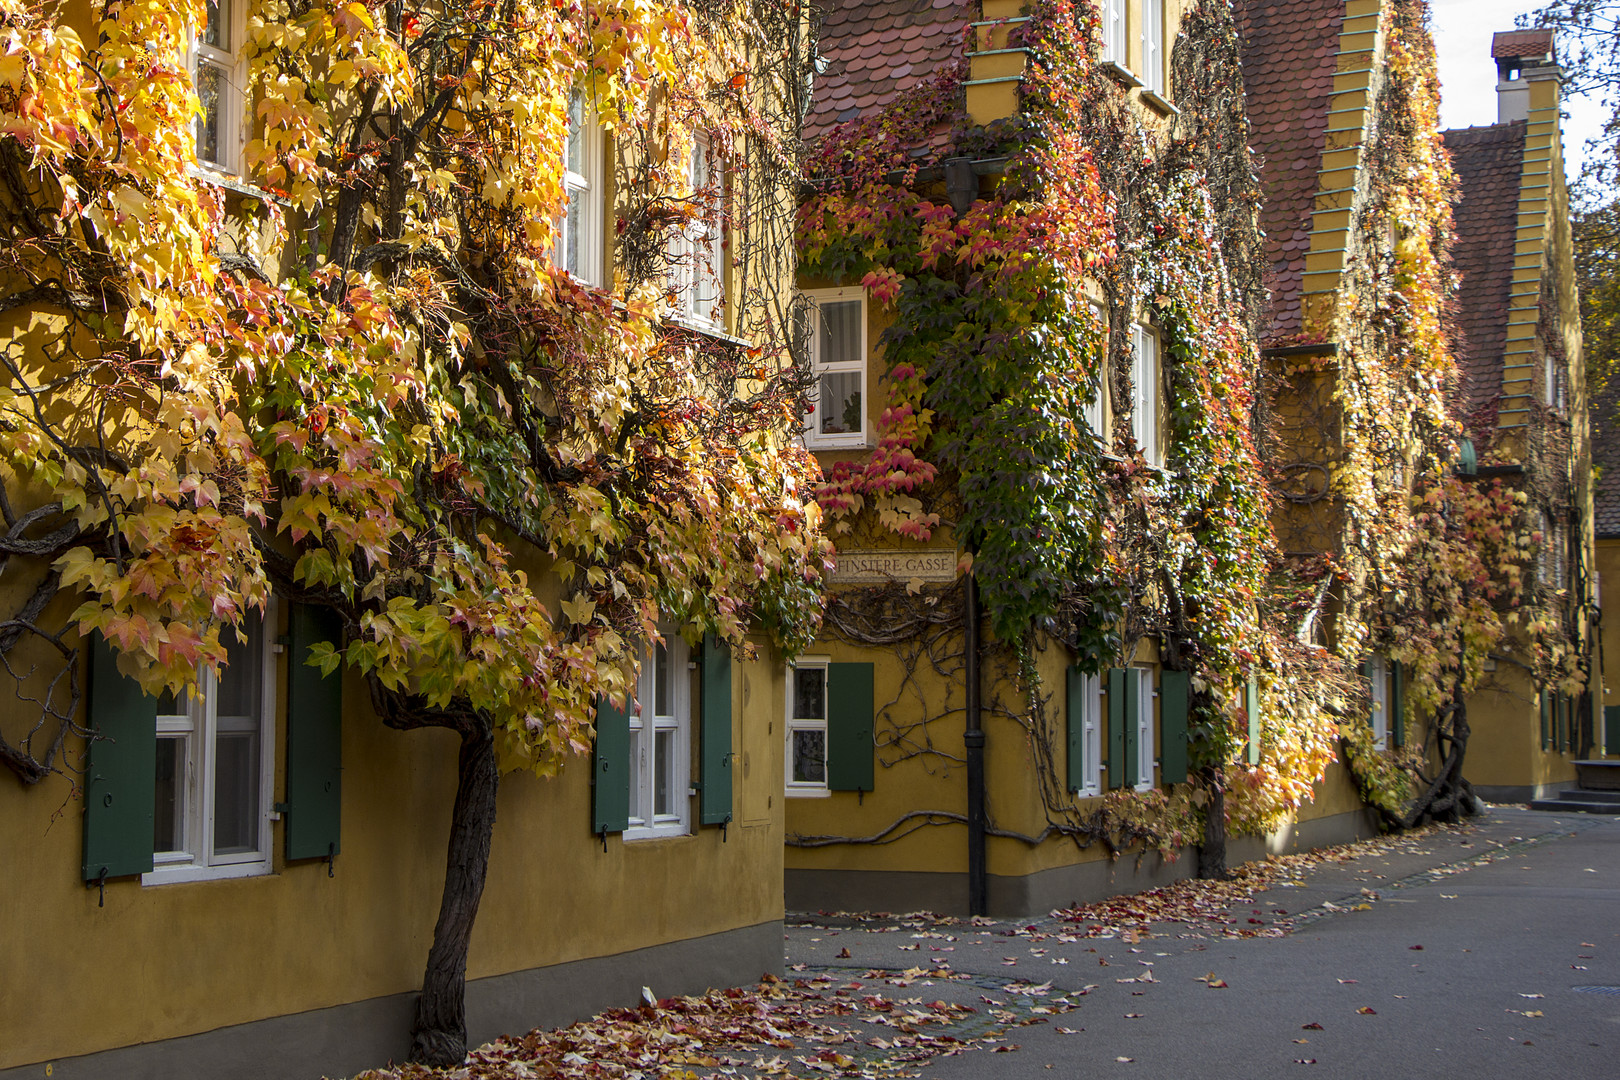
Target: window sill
[
  {"x": 1159, "y": 104},
  {"x": 235, "y": 184},
  {"x": 708, "y": 329},
  {"x": 1120, "y": 74},
  {"x": 639, "y": 834},
  {"x": 820, "y": 445},
  {"x": 808, "y": 793},
  {"x": 180, "y": 873},
  {"x": 583, "y": 282}
]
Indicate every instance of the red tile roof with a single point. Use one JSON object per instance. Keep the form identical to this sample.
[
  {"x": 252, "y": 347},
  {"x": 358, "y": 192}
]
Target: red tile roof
[
  {"x": 874, "y": 51},
  {"x": 1487, "y": 161},
  {"x": 1289, "y": 51},
  {"x": 1508, "y": 44}
]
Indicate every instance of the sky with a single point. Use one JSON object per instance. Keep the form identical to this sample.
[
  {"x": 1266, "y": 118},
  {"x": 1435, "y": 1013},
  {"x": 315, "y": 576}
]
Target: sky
[{"x": 1462, "y": 37}]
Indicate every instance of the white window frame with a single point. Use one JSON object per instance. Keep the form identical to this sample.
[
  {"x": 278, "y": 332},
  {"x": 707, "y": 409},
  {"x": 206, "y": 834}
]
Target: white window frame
[
  {"x": 1560, "y": 550},
  {"x": 1094, "y": 773},
  {"x": 1151, "y": 15},
  {"x": 200, "y": 727},
  {"x": 1095, "y": 412},
  {"x": 698, "y": 267},
  {"x": 813, "y": 438},
  {"x": 1550, "y": 569},
  {"x": 644, "y": 751},
  {"x": 805, "y": 789},
  {"x": 1145, "y": 712},
  {"x": 229, "y": 63},
  {"x": 588, "y": 185},
  {"x": 1115, "y": 27},
  {"x": 1378, "y": 672},
  {"x": 1145, "y": 347},
  {"x": 1553, "y": 391}
]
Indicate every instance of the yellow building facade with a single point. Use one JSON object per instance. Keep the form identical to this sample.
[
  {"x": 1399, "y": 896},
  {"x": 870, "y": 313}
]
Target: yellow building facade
[
  {"x": 251, "y": 871},
  {"x": 1525, "y": 383},
  {"x": 881, "y": 817}
]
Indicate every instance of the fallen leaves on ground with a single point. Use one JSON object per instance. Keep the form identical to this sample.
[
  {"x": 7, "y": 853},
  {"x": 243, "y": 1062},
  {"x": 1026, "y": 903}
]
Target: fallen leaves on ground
[
  {"x": 776, "y": 1028},
  {"x": 1211, "y": 903}
]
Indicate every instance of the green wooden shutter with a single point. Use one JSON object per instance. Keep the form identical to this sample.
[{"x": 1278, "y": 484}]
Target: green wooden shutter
[
  {"x": 1563, "y": 722},
  {"x": 1076, "y": 720},
  {"x": 714, "y": 736},
  {"x": 314, "y": 738},
  {"x": 610, "y": 765},
  {"x": 850, "y": 707},
  {"x": 120, "y": 785},
  {"x": 1611, "y": 726},
  {"x": 1546, "y": 720},
  {"x": 1397, "y": 705},
  {"x": 1174, "y": 692},
  {"x": 1116, "y": 726},
  {"x": 1251, "y": 705}
]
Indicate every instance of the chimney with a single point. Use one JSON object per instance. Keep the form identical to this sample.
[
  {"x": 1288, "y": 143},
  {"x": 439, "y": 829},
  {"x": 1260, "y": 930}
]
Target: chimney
[{"x": 1522, "y": 57}]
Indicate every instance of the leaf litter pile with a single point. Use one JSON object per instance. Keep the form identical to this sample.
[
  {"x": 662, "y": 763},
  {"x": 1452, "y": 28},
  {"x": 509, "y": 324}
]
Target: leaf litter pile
[
  {"x": 1214, "y": 905},
  {"x": 774, "y": 1029}
]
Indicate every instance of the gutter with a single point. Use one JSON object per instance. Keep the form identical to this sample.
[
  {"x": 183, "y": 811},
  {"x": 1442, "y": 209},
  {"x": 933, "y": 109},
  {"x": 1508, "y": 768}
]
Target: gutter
[{"x": 973, "y": 740}]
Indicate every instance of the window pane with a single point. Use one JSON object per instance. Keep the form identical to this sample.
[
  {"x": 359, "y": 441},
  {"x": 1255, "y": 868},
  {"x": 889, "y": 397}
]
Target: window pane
[
  {"x": 1144, "y": 419},
  {"x": 237, "y": 696},
  {"x": 172, "y": 704},
  {"x": 576, "y": 133},
  {"x": 638, "y": 745},
  {"x": 664, "y": 790},
  {"x": 838, "y": 400},
  {"x": 217, "y": 30},
  {"x": 661, "y": 688},
  {"x": 169, "y": 810},
  {"x": 574, "y": 230},
  {"x": 841, "y": 331},
  {"x": 810, "y": 757},
  {"x": 700, "y": 166},
  {"x": 210, "y": 81},
  {"x": 236, "y": 793},
  {"x": 810, "y": 694}
]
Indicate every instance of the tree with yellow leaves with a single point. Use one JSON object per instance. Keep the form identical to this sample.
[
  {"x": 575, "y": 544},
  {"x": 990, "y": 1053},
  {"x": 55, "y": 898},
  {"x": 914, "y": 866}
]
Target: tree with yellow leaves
[{"x": 363, "y": 368}]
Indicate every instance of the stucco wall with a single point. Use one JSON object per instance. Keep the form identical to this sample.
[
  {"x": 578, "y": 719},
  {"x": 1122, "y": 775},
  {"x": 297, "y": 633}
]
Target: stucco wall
[
  {"x": 163, "y": 961},
  {"x": 1505, "y": 760}
]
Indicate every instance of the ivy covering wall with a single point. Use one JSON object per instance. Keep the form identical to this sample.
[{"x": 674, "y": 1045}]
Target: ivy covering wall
[{"x": 1009, "y": 316}]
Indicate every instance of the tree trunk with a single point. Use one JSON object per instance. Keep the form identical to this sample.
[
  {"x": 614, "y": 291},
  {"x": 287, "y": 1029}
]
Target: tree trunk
[
  {"x": 1449, "y": 797},
  {"x": 1212, "y": 852},
  {"x": 439, "y": 1033}
]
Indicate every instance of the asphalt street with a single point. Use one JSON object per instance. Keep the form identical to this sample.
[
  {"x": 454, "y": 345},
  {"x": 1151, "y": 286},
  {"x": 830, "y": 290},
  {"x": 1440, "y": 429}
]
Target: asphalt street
[{"x": 1488, "y": 951}]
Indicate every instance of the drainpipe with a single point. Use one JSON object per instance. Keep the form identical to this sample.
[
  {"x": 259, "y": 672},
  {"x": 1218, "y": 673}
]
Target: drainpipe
[{"x": 973, "y": 739}]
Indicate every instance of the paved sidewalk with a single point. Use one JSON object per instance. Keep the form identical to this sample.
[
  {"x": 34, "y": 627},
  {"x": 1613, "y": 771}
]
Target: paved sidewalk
[{"x": 1457, "y": 953}]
